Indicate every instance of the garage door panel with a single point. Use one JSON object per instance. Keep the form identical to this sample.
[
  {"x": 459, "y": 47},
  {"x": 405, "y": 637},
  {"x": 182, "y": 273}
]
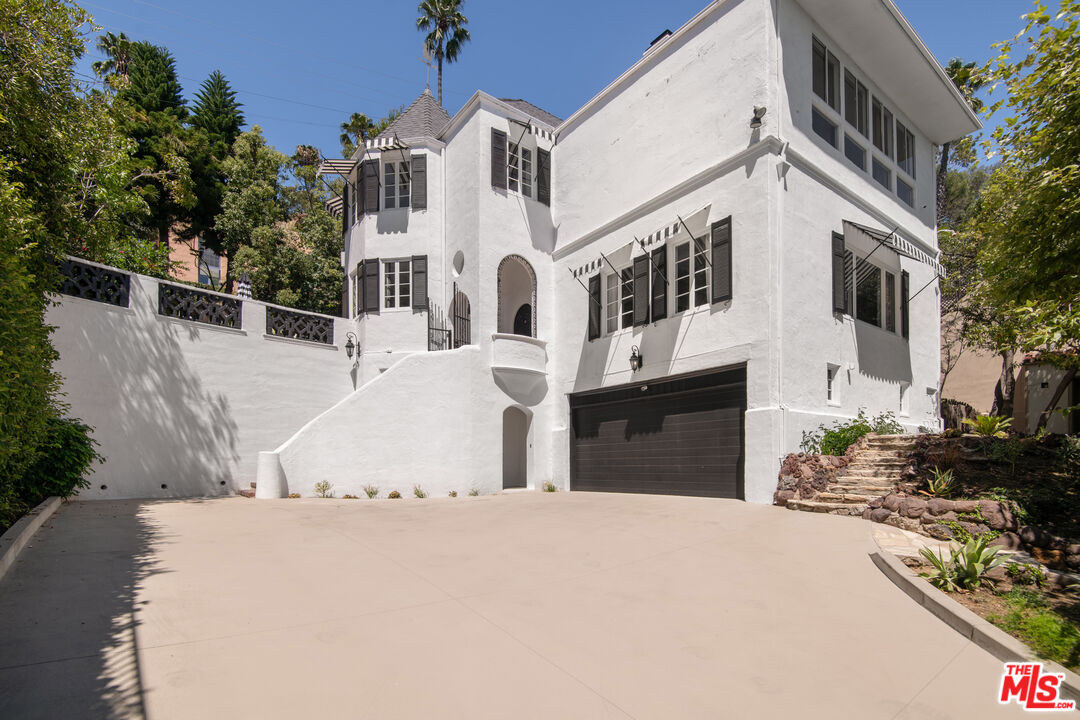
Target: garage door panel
[{"x": 681, "y": 443}]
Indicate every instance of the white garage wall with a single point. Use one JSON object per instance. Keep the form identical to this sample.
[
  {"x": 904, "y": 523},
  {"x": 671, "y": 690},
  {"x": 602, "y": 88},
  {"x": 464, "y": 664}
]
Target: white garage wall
[{"x": 184, "y": 404}]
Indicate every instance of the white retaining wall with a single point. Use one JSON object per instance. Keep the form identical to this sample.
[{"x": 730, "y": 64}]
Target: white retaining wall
[{"x": 182, "y": 408}]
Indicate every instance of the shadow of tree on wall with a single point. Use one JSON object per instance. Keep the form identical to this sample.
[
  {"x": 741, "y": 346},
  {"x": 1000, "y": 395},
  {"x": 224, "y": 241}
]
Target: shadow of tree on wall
[
  {"x": 68, "y": 636},
  {"x": 157, "y": 422}
]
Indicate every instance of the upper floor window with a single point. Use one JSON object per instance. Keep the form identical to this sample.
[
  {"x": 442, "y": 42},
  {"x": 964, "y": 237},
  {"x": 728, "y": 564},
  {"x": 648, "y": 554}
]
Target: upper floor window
[
  {"x": 396, "y": 184},
  {"x": 691, "y": 282},
  {"x": 856, "y": 99},
  {"x": 397, "y": 281},
  {"x": 882, "y": 121},
  {"x": 905, "y": 149},
  {"x": 826, "y": 75},
  {"x": 619, "y": 307},
  {"x": 519, "y": 170}
]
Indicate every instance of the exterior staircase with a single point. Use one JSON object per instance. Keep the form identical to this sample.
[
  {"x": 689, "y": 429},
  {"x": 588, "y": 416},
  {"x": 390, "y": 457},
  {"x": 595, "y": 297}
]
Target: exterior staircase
[{"x": 872, "y": 473}]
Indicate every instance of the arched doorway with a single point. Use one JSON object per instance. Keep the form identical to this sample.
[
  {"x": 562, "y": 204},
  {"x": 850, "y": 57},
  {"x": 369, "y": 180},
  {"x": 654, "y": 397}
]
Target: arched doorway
[
  {"x": 517, "y": 294},
  {"x": 460, "y": 319},
  {"x": 515, "y": 455}
]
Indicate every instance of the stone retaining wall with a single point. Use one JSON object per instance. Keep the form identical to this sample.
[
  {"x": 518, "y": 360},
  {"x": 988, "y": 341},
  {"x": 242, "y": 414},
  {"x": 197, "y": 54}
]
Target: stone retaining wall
[{"x": 803, "y": 476}]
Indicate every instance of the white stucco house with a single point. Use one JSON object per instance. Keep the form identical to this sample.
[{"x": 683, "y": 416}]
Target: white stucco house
[{"x": 731, "y": 243}]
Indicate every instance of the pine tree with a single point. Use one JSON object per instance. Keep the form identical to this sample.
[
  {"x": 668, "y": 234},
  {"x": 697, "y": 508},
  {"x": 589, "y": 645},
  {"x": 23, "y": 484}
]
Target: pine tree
[
  {"x": 216, "y": 110},
  {"x": 153, "y": 83}
]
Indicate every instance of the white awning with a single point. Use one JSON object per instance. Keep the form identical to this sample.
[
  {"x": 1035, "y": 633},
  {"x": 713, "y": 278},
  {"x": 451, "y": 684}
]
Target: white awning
[
  {"x": 894, "y": 242},
  {"x": 334, "y": 205},
  {"x": 337, "y": 166}
]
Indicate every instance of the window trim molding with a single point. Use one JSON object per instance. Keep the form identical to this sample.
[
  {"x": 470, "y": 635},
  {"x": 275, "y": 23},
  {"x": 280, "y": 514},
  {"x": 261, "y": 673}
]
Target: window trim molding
[{"x": 401, "y": 306}]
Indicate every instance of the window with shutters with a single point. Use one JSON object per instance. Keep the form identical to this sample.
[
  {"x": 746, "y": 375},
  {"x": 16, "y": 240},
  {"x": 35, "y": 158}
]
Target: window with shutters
[
  {"x": 626, "y": 297},
  {"x": 691, "y": 275},
  {"x": 397, "y": 281},
  {"x": 875, "y": 295},
  {"x": 612, "y": 306},
  {"x": 519, "y": 170},
  {"x": 396, "y": 184}
]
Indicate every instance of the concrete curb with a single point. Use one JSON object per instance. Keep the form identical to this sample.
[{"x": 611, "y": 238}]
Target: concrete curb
[
  {"x": 981, "y": 632},
  {"x": 19, "y": 535}
]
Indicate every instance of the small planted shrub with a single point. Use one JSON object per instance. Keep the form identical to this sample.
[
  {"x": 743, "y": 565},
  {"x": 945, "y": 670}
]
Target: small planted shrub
[
  {"x": 966, "y": 569},
  {"x": 837, "y": 439},
  {"x": 473, "y": 492},
  {"x": 941, "y": 484},
  {"x": 989, "y": 425},
  {"x": 550, "y": 487},
  {"x": 371, "y": 491},
  {"x": 1026, "y": 574},
  {"x": 67, "y": 451},
  {"x": 453, "y": 493},
  {"x": 349, "y": 497},
  {"x": 418, "y": 491},
  {"x": 293, "y": 496},
  {"x": 394, "y": 495},
  {"x": 324, "y": 489}
]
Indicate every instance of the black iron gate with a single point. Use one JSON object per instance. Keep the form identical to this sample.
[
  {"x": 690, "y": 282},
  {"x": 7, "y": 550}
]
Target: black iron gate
[{"x": 461, "y": 316}]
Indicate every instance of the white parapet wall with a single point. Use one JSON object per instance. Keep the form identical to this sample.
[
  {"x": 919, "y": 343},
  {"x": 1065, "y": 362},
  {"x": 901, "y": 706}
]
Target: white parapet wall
[{"x": 182, "y": 408}]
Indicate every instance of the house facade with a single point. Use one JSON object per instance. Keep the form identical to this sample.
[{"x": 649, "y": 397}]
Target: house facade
[{"x": 729, "y": 245}]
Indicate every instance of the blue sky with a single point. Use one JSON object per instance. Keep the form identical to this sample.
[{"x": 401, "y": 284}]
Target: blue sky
[{"x": 300, "y": 69}]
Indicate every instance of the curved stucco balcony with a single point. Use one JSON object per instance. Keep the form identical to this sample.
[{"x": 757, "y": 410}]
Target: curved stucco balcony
[{"x": 519, "y": 364}]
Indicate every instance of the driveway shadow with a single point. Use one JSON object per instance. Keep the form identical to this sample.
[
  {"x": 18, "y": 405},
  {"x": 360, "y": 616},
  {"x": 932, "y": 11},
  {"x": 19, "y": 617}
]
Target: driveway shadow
[{"x": 67, "y": 638}]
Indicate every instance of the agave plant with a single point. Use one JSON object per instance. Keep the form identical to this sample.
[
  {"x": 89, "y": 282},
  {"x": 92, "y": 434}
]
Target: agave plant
[
  {"x": 966, "y": 569},
  {"x": 989, "y": 425},
  {"x": 943, "y": 576},
  {"x": 941, "y": 484}
]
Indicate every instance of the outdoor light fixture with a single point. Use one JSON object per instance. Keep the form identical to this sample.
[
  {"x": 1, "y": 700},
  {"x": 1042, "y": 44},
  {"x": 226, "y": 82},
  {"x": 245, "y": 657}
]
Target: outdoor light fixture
[
  {"x": 351, "y": 345},
  {"x": 755, "y": 122},
  {"x": 636, "y": 359}
]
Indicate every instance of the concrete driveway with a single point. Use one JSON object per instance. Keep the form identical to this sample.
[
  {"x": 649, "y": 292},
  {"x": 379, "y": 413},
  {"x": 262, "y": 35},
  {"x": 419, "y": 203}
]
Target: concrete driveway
[{"x": 525, "y": 605}]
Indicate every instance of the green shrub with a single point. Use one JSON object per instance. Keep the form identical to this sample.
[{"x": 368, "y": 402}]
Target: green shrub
[
  {"x": 966, "y": 569},
  {"x": 324, "y": 489},
  {"x": 842, "y": 435},
  {"x": 453, "y": 493},
  {"x": 65, "y": 453},
  {"x": 473, "y": 492},
  {"x": 1026, "y": 574},
  {"x": 371, "y": 491},
  {"x": 394, "y": 495},
  {"x": 941, "y": 484},
  {"x": 989, "y": 425},
  {"x": 1069, "y": 452},
  {"x": 550, "y": 487},
  {"x": 418, "y": 491},
  {"x": 1051, "y": 636}
]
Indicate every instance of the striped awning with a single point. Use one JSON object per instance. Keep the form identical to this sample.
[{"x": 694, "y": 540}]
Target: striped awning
[
  {"x": 896, "y": 243},
  {"x": 337, "y": 166},
  {"x": 334, "y": 205}
]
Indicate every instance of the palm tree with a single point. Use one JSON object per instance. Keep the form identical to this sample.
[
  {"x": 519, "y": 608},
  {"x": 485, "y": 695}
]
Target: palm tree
[
  {"x": 447, "y": 34},
  {"x": 116, "y": 49},
  {"x": 968, "y": 79}
]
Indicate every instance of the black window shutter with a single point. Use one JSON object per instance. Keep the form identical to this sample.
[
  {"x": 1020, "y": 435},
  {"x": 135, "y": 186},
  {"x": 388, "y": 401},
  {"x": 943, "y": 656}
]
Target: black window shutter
[
  {"x": 371, "y": 285},
  {"x": 361, "y": 183},
  {"x": 594, "y": 307},
  {"x": 641, "y": 290},
  {"x": 419, "y": 282},
  {"x": 721, "y": 260},
  {"x": 358, "y": 300},
  {"x": 543, "y": 177},
  {"x": 905, "y": 288},
  {"x": 498, "y": 159},
  {"x": 659, "y": 284},
  {"x": 839, "y": 279},
  {"x": 418, "y": 173},
  {"x": 849, "y": 282},
  {"x": 371, "y": 186},
  {"x": 345, "y": 208},
  {"x": 358, "y": 200}
]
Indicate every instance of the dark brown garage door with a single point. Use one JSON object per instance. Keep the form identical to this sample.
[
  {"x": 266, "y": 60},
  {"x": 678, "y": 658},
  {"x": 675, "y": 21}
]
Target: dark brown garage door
[{"x": 679, "y": 436}]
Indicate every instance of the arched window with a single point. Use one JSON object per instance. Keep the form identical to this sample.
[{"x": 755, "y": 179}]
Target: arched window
[{"x": 517, "y": 297}]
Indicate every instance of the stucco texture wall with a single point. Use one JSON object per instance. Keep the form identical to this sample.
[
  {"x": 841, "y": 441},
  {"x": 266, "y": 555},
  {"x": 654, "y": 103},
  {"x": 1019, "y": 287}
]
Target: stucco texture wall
[{"x": 181, "y": 408}]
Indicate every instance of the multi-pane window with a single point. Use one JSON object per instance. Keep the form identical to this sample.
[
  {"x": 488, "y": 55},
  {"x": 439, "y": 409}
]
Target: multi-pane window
[
  {"x": 830, "y": 386},
  {"x": 905, "y": 149},
  {"x": 396, "y": 184},
  {"x": 520, "y": 170},
  {"x": 823, "y": 126},
  {"x": 854, "y": 152},
  {"x": 856, "y": 98},
  {"x": 396, "y": 284},
  {"x": 691, "y": 283},
  {"x": 826, "y": 75},
  {"x": 882, "y": 174},
  {"x": 905, "y": 192},
  {"x": 626, "y": 293},
  {"x": 882, "y": 121},
  {"x": 868, "y": 293},
  {"x": 612, "y": 305}
]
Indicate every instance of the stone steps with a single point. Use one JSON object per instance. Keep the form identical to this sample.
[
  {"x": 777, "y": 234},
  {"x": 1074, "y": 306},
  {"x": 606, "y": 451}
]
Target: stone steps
[
  {"x": 847, "y": 498},
  {"x": 832, "y": 508}
]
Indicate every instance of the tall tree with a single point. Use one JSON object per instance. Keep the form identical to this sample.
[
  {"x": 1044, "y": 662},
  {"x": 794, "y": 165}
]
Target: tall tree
[
  {"x": 358, "y": 128},
  {"x": 117, "y": 51},
  {"x": 968, "y": 79},
  {"x": 444, "y": 24},
  {"x": 217, "y": 111}
]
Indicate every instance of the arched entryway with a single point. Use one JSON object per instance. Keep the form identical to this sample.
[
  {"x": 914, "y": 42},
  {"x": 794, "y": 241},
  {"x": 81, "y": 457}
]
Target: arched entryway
[
  {"x": 515, "y": 455},
  {"x": 517, "y": 297},
  {"x": 460, "y": 319}
]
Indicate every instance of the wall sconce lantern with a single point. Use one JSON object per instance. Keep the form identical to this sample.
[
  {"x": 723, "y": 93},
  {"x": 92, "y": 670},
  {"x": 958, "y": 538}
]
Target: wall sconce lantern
[
  {"x": 755, "y": 121},
  {"x": 351, "y": 345},
  {"x": 636, "y": 359}
]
